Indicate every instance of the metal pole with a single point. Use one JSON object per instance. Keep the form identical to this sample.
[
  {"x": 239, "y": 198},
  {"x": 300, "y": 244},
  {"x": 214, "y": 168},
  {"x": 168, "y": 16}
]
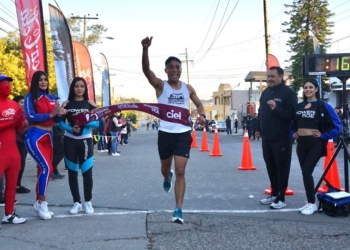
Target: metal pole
[
  {"x": 188, "y": 82},
  {"x": 85, "y": 30},
  {"x": 267, "y": 35}
]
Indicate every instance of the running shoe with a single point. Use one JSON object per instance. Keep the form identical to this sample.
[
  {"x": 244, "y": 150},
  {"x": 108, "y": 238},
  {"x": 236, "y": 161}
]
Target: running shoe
[
  {"x": 269, "y": 200},
  {"x": 76, "y": 208},
  {"x": 42, "y": 210},
  {"x": 88, "y": 207},
  {"x": 13, "y": 219},
  {"x": 309, "y": 209},
  {"x": 277, "y": 204},
  {"x": 177, "y": 216},
  {"x": 167, "y": 183}
]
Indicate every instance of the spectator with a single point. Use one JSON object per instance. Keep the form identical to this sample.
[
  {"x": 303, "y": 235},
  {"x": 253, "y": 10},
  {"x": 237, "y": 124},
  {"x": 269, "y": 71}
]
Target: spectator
[
  {"x": 21, "y": 148},
  {"x": 276, "y": 112},
  {"x": 101, "y": 147},
  {"x": 236, "y": 125},
  {"x": 228, "y": 126},
  {"x": 250, "y": 126},
  {"x": 254, "y": 125},
  {"x": 58, "y": 134}
]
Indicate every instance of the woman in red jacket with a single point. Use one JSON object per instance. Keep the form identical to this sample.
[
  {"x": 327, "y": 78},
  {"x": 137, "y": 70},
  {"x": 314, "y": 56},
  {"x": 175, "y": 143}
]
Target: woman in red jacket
[{"x": 11, "y": 119}]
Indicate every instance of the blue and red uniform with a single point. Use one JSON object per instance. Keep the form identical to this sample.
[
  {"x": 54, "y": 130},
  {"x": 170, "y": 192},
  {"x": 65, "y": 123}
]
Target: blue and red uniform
[{"x": 39, "y": 141}]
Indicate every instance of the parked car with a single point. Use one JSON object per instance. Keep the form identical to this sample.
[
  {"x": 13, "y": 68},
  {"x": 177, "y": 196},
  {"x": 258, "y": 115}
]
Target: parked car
[
  {"x": 219, "y": 125},
  {"x": 198, "y": 127}
]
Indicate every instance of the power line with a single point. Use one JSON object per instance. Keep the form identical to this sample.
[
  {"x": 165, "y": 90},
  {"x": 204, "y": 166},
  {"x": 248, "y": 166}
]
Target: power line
[
  {"x": 8, "y": 23},
  {"x": 11, "y": 14},
  {"x": 201, "y": 59},
  {"x": 208, "y": 29},
  {"x": 340, "y": 5},
  {"x": 4, "y": 30}
]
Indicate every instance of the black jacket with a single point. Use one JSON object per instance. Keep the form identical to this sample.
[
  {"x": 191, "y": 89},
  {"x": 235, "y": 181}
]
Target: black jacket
[{"x": 276, "y": 124}]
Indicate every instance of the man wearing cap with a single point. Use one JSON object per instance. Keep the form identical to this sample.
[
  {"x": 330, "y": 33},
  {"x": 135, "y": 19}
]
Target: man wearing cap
[{"x": 11, "y": 120}]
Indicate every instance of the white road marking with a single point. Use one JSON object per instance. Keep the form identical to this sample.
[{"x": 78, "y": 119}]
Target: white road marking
[{"x": 63, "y": 216}]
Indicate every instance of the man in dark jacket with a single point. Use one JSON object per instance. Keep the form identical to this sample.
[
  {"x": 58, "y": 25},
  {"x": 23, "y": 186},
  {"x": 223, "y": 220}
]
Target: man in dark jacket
[
  {"x": 254, "y": 125},
  {"x": 228, "y": 126},
  {"x": 277, "y": 110}
]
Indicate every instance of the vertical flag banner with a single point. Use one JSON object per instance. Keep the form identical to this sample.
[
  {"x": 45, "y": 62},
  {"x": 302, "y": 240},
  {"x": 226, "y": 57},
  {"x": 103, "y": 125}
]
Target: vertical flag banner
[
  {"x": 272, "y": 61},
  {"x": 106, "y": 91},
  {"x": 32, "y": 36},
  {"x": 83, "y": 67},
  {"x": 63, "y": 52}
]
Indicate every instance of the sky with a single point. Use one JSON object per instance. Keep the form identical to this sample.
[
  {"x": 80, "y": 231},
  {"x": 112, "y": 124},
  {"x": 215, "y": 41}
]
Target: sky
[{"x": 224, "y": 39}]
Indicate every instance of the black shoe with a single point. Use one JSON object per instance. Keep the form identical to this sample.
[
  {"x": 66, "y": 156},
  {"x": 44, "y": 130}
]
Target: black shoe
[
  {"x": 57, "y": 176},
  {"x": 22, "y": 190},
  {"x": 2, "y": 202}
]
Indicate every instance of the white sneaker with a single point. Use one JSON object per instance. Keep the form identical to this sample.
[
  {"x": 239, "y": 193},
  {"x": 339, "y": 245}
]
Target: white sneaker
[
  {"x": 115, "y": 154},
  {"x": 278, "y": 205},
  {"x": 42, "y": 210},
  {"x": 88, "y": 207},
  {"x": 13, "y": 219},
  {"x": 309, "y": 209},
  {"x": 76, "y": 208},
  {"x": 100, "y": 151},
  {"x": 106, "y": 150},
  {"x": 302, "y": 208},
  {"x": 269, "y": 200}
]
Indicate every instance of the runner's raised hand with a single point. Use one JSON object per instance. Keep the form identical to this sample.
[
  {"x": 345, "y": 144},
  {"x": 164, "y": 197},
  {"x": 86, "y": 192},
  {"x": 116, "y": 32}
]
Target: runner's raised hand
[{"x": 146, "y": 42}]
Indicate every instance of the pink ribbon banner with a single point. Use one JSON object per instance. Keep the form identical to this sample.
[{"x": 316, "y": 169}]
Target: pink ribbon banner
[{"x": 162, "y": 111}]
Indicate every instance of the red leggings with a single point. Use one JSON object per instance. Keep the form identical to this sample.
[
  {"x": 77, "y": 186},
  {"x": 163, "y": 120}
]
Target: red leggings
[{"x": 10, "y": 166}]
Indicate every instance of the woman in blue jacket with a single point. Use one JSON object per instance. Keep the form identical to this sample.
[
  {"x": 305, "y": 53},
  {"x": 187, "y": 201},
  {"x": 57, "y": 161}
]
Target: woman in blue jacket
[{"x": 315, "y": 123}]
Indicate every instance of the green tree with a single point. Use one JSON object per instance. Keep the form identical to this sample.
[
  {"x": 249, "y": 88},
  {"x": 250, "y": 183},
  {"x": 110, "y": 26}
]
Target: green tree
[
  {"x": 93, "y": 33},
  {"x": 308, "y": 18}
]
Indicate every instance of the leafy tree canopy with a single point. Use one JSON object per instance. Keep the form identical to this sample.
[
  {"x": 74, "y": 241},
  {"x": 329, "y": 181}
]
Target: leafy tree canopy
[{"x": 308, "y": 18}]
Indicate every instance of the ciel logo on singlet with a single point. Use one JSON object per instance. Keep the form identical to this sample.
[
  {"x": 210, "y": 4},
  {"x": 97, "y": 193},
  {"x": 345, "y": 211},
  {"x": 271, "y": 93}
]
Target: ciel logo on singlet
[
  {"x": 174, "y": 115},
  {"x": 176, "y": 98}
]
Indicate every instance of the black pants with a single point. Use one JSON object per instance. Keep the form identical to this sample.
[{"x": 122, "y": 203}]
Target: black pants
[
  {"x": 278, "y": 155},
  {"x": 253, "y": 132},
  {"x": 79, "y": 153},
  {"x": 109, "y": 143},
  {"x": 309, "y": 151},
  {"x": 74, "y": 185},
  {"x": 23, "y": 152},
  {"x": 57, "y": 152},
  {"x": 250, "y": 128}
]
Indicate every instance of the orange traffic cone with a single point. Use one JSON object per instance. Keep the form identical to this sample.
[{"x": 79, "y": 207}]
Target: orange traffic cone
[
  {"x": 216, "y": 145},
  {"x": 204, "y": 147},
  {"x": 288, "y": 191},
  {"x": 194, "y": 139},
  {"x": 247, "y": 162},
  {"x": 332, "y": 175}
]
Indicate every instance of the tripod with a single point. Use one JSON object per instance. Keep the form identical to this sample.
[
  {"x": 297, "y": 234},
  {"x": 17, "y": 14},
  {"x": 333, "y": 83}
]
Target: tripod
[{"x": 344, "y": 139}]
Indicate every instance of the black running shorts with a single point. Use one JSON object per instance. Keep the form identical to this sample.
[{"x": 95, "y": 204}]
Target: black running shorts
[{"x": 174, "y": 144}]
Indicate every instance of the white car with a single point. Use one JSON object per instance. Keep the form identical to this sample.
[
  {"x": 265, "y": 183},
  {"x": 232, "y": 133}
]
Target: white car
[{"x": 219, "y": 125}]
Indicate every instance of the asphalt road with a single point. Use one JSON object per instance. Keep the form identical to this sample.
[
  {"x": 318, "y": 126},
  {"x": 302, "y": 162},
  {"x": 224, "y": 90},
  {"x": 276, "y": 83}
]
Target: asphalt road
[{"x": 132, "y": 211}]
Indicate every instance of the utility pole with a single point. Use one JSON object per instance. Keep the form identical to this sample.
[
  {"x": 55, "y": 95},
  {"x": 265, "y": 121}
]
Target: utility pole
[
  {"x": 267, "y": 41},
  {"x": 188, "y": 79},
  {"x": 85, "y": 18}
]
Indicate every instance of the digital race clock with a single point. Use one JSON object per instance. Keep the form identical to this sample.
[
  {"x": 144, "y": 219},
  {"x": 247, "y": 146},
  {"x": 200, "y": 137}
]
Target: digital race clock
[{"x": 337, "y": 65}]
